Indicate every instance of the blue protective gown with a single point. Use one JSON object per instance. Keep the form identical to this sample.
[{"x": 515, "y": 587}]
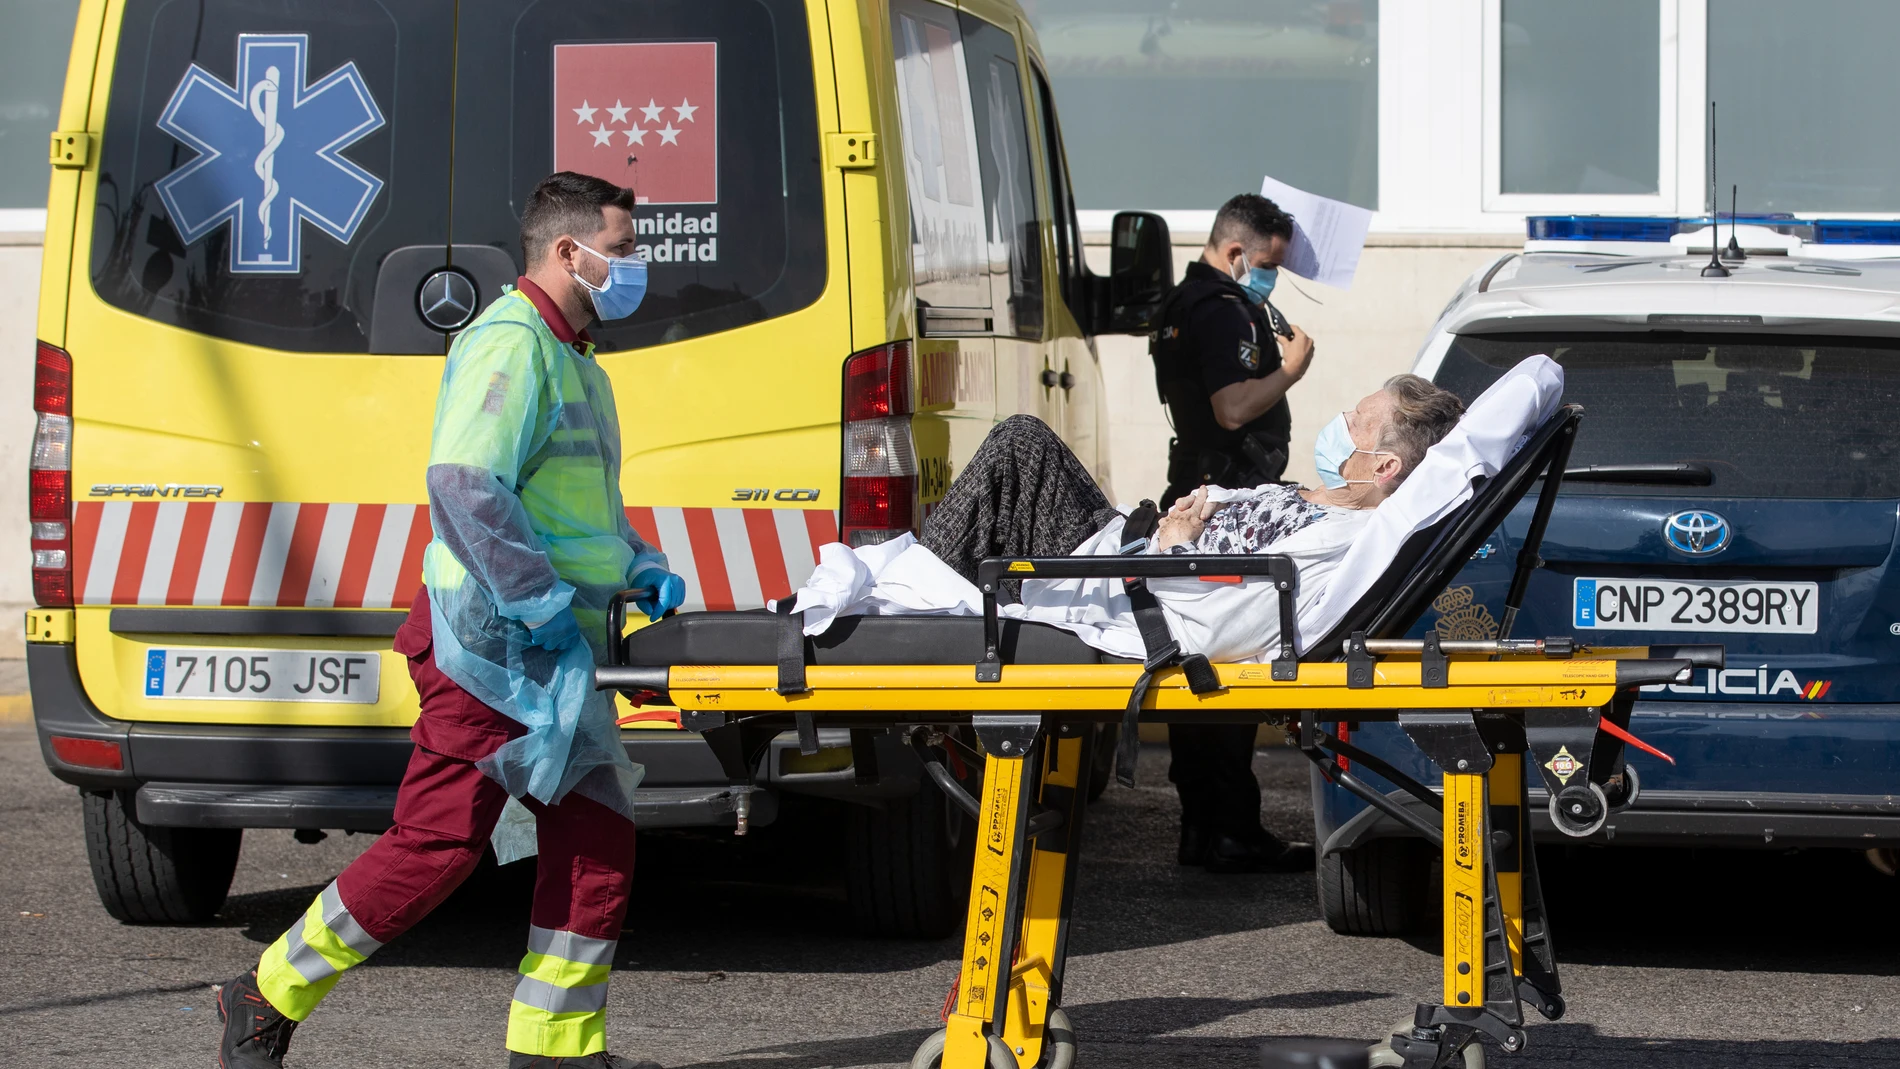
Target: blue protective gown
[{"x": 524, "y": 496}]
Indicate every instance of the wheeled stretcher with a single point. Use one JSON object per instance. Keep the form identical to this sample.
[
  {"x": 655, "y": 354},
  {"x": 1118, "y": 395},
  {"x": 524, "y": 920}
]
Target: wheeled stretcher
[{"x": 1023, "y": 702}]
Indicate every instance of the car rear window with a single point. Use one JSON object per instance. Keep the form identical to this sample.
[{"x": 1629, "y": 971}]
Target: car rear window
[
  {"x": 1768, "y": 416},
  {"x": 708, "y": 110}
]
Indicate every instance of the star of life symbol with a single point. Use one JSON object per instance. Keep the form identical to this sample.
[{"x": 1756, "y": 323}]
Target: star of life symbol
[{"x": 269, "y": 153}]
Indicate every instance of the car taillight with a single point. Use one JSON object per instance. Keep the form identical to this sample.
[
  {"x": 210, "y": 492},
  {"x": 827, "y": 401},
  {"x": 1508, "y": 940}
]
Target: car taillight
[
  {"x": 50, "y": 478},
  {"x": 880, "y": 459}
]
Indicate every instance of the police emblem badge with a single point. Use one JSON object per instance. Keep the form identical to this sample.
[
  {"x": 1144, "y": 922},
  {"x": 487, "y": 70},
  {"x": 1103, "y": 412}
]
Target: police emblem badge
[{"x": 1249, "y": 355}]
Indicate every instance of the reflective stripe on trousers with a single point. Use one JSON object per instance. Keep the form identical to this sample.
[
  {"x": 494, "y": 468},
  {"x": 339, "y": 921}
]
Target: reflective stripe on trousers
[
  {"x": 303, "y": 964},
  {"x": 560, "y": 1004}
]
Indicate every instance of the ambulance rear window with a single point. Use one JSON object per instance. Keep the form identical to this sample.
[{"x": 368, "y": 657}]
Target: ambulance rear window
[
  {"x": 706, "y": 109},
  {"x": 262, "y": 158},
  {"x": 285, "y": 173}
]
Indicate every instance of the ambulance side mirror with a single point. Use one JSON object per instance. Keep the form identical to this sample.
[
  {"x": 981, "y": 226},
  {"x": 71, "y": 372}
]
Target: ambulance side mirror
[{"x": 1141, "y": 272}]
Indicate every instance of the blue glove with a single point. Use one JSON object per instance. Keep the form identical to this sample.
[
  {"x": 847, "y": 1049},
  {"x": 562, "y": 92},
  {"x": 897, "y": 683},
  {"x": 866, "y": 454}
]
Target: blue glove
[
  {"x": 669, "y": 592},
  {"x": 558, "y": 633}
]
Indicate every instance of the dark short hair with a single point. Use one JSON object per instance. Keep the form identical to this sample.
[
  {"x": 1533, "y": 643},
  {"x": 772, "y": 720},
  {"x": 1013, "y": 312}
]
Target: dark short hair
[
  {"x": 567, "y": 203},
  {"x": 1250, "y": 219}
]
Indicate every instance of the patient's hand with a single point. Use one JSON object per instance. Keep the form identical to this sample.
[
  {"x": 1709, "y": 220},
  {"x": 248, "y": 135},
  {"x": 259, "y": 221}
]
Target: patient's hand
[{"x": 1185, "y": 520}]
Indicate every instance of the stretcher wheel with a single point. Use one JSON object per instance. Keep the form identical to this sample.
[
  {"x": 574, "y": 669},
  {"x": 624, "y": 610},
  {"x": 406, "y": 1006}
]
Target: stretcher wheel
[
  {"x": 930, "y": 1054},
  {"x": 1579, "y": 810},
  {"x": 1058, "y": 1047},
  {"x": 1632, "y": 789},
  {"x": 1382, "y": 1056}
]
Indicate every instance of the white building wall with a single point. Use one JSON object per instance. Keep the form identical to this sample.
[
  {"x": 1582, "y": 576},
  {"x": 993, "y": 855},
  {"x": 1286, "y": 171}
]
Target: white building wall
[{"x": 19, "y": 308}]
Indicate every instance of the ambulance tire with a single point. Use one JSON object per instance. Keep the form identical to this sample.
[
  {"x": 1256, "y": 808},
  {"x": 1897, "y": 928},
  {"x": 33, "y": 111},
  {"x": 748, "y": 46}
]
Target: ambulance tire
[
  {"x": 1380, "y": 887},
  {"x": 148, "y": 875},
  {"x": 908, "y": 866}
]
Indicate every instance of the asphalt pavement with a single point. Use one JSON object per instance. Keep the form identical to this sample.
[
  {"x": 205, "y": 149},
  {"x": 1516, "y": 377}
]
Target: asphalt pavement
[{"x": 738, "y": 955}]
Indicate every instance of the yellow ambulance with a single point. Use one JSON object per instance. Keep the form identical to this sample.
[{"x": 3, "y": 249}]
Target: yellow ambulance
[{"x": 266, "y": 222}]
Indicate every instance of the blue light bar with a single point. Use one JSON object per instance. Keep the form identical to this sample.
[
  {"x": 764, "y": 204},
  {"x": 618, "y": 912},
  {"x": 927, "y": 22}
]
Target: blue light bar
[
  {"x": 1600, "y": 228},
  {"x": 1856, "y": 232}
]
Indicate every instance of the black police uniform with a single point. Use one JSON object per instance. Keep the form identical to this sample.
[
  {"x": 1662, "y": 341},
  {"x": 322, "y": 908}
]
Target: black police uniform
[{"x": 1212, "y": 335}]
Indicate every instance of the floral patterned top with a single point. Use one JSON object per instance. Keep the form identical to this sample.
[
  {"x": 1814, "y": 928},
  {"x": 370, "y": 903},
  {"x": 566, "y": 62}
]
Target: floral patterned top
[{"x": 1252, "y": 526}]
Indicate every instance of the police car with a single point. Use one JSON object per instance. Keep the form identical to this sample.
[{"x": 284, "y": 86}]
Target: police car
[{"x": 1736, "y": 480}]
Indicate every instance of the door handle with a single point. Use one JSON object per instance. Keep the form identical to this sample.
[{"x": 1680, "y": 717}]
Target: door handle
[
  {"x": 1068, "y": 381},
  {"x": 1050, "y": 380}
]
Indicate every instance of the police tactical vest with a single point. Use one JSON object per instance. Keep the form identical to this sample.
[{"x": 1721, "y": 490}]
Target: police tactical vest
[{"x": 1203, "y": 451}]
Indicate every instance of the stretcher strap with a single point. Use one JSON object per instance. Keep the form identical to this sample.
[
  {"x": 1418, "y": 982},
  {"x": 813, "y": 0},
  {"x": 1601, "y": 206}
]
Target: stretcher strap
[
  {"x": 1156, "y": 640},
  {"x": 791, "y": 672}
]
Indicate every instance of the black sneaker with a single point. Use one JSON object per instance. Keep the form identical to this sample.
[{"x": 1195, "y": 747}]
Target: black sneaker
[
  {"x": 1228, "y": 855},
  {"x": 255, "y": 1034},
  {"x": 599, "y": 1060}
]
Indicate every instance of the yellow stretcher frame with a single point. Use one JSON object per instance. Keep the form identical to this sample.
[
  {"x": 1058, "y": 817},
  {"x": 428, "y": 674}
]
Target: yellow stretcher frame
[
  {"x": 1478, "y": 710},
  {"x": 1036, "y": 723}
]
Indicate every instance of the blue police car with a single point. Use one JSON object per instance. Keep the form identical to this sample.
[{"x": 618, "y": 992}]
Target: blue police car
[{"x": 1736, "y": 480}]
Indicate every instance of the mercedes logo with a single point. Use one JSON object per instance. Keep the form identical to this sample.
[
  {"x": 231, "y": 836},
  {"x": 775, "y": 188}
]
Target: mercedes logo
[
  {"x": 1697, "y": 532},
  {"x": 446, "y": 300}
]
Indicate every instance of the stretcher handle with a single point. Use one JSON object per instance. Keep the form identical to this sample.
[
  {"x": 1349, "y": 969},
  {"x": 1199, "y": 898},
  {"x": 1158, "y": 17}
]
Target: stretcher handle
[
  {"x": 1562, "y": 646},
  {"x": 992, "y": 572},
  {"x": 617, "y": 621}
]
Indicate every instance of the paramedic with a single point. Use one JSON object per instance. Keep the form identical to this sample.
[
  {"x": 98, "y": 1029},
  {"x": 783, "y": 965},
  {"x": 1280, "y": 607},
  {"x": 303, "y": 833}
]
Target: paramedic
[
  {"x": 1224, "y": 375},
  {"x": 531, "y": 541}
]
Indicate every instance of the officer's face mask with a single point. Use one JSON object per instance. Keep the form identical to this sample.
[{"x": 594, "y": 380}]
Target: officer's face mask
[
  {"x": 1333, "y": 448},
  {"x": 624, "y": 289},
  {"x": 1257, "y": 281}
]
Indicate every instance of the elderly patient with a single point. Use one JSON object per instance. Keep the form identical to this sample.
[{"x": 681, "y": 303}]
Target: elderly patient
[{"x": 1026, "y": 494}]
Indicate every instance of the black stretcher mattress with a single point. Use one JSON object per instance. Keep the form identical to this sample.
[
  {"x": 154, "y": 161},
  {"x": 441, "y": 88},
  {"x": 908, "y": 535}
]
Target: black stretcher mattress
[{"x": 752, "y": 637}]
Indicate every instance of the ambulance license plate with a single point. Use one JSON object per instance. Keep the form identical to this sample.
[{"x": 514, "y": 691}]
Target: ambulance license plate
[
  {"x": 336, "y": 676},
  {"x": 1736, "y": 607}
]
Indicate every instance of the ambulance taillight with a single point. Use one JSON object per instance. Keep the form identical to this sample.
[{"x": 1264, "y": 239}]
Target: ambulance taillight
[
  {"x": 880, "y": 458},
  {"x": 50, "y": 478}
]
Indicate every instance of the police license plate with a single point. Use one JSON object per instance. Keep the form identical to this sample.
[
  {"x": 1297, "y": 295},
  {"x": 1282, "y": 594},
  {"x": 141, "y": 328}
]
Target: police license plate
[
  {"x": 263, "y": 675},
  {"x": 1655, "y": 605}
]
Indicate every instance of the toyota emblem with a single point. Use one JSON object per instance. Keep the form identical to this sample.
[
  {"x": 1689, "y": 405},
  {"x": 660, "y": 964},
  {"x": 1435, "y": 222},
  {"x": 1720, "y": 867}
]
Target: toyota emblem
[
  {"x": 1697, "y": 532},
  {"x": 446, "y": 300}
]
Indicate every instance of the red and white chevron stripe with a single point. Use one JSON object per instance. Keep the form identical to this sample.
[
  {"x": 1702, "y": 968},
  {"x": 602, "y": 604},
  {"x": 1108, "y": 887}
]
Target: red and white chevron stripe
[
  {"x": 737, "y": 558},
  {"x": 343, "y": 555}
]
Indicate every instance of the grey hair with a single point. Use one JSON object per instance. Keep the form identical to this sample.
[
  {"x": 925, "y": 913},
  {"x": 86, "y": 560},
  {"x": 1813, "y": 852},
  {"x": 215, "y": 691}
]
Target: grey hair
[{"x": 1422, "y": 414}]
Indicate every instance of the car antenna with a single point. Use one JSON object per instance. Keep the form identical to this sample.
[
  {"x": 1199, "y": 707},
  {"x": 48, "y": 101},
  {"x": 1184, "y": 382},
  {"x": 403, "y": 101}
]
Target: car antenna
[
  {"x": 1734, "y": 252},
  {"x": 1714, "y": 268}
]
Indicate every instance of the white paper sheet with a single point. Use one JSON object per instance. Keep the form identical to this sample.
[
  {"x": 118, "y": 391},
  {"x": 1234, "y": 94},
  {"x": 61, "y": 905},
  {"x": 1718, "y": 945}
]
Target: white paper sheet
[{"x": 1327, "y": 234}]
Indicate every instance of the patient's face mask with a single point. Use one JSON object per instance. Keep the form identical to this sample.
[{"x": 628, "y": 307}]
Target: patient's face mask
[
  {"x": 1333, "y": 448},
  {"x": 624, "y": 289}
]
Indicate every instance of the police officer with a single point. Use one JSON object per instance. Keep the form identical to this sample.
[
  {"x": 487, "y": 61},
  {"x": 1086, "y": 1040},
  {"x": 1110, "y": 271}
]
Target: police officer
[{"x": 1224, "y": 361}]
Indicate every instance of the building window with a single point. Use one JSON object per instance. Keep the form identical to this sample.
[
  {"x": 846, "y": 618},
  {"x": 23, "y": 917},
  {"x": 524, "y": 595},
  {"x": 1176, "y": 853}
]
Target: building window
[
  {"x": 1179, "y": 106},
  {"x": 1581, "y": 97},
  {"x": 31, "y": 82},
  {"x": 1804, "y": 97}
]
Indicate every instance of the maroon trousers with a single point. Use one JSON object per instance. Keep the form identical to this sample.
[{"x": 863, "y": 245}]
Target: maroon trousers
[{"x": 446, "y": 809}]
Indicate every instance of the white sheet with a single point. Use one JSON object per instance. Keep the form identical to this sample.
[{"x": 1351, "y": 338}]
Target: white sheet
[{"x": 1337, "y": 558}]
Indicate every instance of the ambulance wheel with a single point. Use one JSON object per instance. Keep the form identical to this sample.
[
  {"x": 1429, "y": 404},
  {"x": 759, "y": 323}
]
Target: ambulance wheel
[
  {"x": 1058, "y": 1047},
  {"x": 1579, "y": 810},
  {"x": 1384, "y": 1057},
  {"x": 1380, "y": 887},
  {"x": 148, "y": 875},
  {"x": 908, "y": 866}
]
